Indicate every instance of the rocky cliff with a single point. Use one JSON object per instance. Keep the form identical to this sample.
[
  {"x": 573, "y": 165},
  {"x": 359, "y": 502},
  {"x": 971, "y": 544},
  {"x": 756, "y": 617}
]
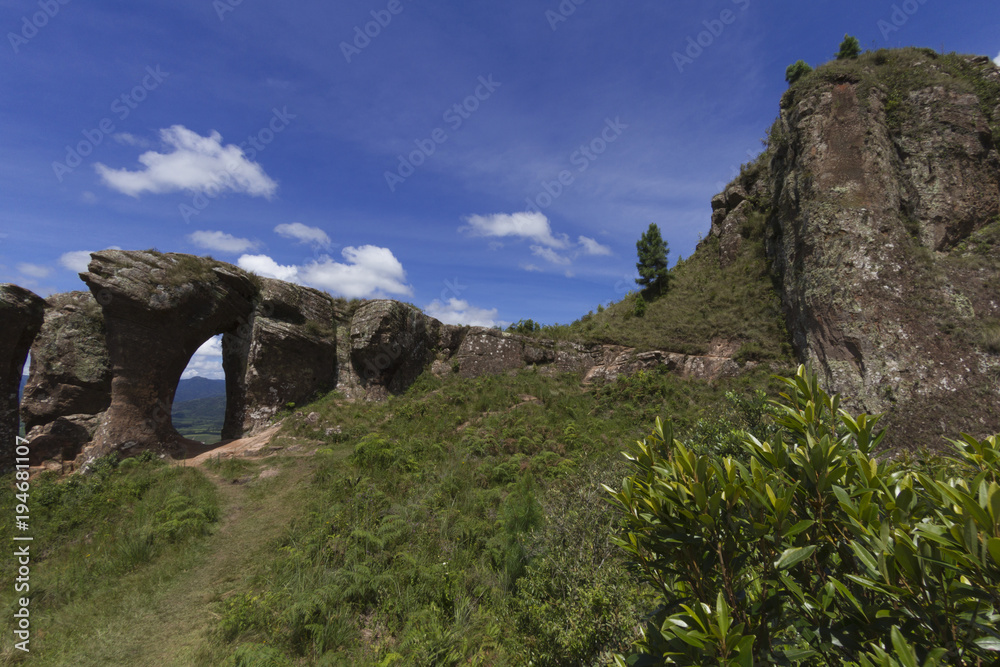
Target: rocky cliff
[{"x": 880, "y": 196}]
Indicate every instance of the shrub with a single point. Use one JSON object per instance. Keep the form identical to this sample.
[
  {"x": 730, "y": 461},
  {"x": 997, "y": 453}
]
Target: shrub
[
  {"x": 796, "y": 71},
  {"x": 816, "y": 552}
]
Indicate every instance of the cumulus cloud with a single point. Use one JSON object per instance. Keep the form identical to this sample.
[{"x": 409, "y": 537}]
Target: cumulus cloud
[
  {"x": 550, "y": 255},
  {"x": 997, "y": 60},
  {"x": 592, "y": 247},
  {"x": 368, "y": 271},
  {"x": 458, "y": 311},
  {"x": 304, "y": 234},
  {"x": 528, "y": 225},
  {"x": 33, "y": 270},
  {"x": 221, "y": 242},
  {"x": 78, "y": 260},
  {"x": 196, "y": 164},
  {"x": 206, "y": 361},
  {"x": 263, "y": 265}
]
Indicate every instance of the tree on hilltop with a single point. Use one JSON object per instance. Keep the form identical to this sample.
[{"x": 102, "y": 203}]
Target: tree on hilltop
[
  {"x": 849, "y": 48},
  {"x": 652, "y": 265}
]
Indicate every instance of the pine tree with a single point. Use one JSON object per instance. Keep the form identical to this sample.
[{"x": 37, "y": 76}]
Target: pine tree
[
  {"x": 652, "y": 265},
  {"x": 849, "y": 48}
]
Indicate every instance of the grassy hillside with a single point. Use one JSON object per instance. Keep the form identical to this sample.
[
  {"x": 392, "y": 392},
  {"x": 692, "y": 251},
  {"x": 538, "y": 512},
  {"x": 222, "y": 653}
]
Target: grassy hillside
[
  {"x": 704, "y": 302},
  {"x": 461, "y": 523}
]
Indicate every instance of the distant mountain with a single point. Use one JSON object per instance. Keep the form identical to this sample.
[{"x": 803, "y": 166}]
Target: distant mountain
[{"x": 199, "y": 387}]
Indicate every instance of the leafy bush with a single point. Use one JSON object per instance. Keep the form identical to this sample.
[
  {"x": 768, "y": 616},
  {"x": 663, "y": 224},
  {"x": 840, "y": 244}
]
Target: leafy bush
[
  {"x": 816, "y": 552},
  {"x": 796, "y": 71}
]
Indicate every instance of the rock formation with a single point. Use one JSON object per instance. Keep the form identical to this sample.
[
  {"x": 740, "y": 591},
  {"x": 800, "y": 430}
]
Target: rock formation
[
  {"x": 878, "y": 176},
  {"x": 21, "y": 315},
  {"x": 877, "y": 202},
  {"x": 69, "y": 383},
  {"x": 286, "y": 355},
  {"x": 158, "y": 309}
]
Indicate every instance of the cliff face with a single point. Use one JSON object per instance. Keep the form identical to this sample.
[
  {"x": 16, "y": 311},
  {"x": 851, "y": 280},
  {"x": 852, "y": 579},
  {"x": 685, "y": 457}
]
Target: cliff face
[
  {"x": 881, "y": 189},
  {"x": 69, "y": 383}
]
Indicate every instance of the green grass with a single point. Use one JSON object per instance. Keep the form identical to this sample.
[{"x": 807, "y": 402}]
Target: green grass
[
  {"x": 704, "y": 301},
  {"x": 461, "y": 523}
]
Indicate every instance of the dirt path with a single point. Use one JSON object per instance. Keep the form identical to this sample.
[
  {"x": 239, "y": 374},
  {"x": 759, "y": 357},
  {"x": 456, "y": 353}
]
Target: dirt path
[
  {"x": 180, "y": 617},
  {"x": 166, "y": 620}
]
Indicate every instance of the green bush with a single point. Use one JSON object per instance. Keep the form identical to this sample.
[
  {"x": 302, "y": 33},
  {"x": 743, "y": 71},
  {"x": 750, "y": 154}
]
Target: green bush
[
  {"x": 796, "y": 71},
  {"x": 816, "y": 552}
]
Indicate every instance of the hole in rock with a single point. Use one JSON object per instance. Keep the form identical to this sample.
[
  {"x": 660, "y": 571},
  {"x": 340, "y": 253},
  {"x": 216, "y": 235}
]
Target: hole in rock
[{"x": 199, "y": 408}]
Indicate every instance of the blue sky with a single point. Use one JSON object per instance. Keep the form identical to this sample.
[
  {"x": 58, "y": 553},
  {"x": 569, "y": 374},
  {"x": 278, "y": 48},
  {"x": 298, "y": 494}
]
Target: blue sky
[{"x": 485, "y": 161}]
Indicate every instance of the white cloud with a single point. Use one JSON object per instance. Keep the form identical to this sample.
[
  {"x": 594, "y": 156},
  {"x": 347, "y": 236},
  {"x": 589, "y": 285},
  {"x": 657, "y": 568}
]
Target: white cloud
[
  {"x": 196, "y": 164},
  {"x": 88, "y": 197},
  {"x": 304, "y": 234},
  {"x": 592, "y": 247},
  {"x": 263, "y": 265},
  {"x": 33, "y": 270},
  {"x": 369, "y": 271},
  {"x": 75, "y": 261},
  {"x": 221, "y": 242},
  {"x": 130, "y": 140},
  {"x": 534, "y": 226},
  {"x": 550, "y": 255},
  {"x": 206, "y": 361},
  {"x": 458, "y": 311},
  {"x": 78, "y": 260},
  {"x": 997, "y": 60},
  {"x": 531, "y": 267}
]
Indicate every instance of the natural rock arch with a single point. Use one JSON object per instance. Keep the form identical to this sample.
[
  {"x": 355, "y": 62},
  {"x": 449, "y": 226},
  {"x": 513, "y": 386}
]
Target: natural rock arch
[
  {"x": 158, "y": 310},
  {"x": 21, "y": 313}
]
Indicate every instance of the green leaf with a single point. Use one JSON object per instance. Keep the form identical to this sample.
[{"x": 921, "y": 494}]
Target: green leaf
[
  {"x": 795, "y": 555},
  {"x": 988, "y": 643},
  {"x": 993, "y": 544},
  {"x": 903, "y": 650},
  {"x": 722, "y": 612}
]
